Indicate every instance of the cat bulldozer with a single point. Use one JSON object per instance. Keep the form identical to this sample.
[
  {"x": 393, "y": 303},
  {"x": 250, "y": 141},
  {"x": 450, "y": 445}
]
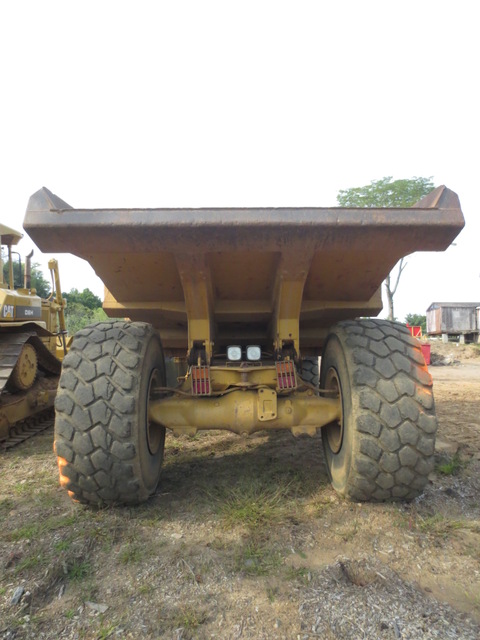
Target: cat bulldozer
[
  {"x": 32, "y": 346},
  {"x": 243, "y": 303}
]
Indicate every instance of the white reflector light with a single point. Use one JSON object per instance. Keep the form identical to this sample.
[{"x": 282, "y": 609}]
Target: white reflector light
[
  {"x": 254, "y": 352},
  {"x": 234, "y": 353}
]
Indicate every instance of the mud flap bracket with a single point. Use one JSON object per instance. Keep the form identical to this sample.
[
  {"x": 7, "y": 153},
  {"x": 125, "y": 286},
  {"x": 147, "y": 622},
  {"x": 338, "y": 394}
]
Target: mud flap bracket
[{"x": 266, "y": 404}]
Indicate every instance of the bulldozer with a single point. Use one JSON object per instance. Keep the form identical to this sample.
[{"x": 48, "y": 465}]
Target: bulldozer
[
  {"x": 243, "y": 303},
  {"x": 33, "y": 343}
]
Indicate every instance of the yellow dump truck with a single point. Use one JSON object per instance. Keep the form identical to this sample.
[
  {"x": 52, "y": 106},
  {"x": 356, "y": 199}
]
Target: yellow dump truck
[
  {"x": 242, "y": 303},
  {"x": 32, "y": 345}
]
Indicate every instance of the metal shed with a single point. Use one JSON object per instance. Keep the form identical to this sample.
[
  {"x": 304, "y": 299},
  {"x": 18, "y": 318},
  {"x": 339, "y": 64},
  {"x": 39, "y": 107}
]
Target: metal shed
[{"x": 453, "y": 318}]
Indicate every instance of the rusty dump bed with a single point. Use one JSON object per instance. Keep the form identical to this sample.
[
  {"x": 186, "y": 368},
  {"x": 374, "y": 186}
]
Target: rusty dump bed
[{"x": 245, "y": 270}]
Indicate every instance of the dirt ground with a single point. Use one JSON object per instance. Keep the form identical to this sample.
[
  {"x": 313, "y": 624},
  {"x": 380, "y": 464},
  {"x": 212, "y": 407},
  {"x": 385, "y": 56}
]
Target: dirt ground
[{"x": 246, "y": 539}]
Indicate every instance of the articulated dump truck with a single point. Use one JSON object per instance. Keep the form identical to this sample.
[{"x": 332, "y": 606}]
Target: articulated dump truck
[
  {"x": 32, "y": 346},
  {"x": 228, "y": 313}
]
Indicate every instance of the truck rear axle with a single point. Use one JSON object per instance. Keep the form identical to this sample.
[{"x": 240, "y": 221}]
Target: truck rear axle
[{"x": 246, "y": 411}]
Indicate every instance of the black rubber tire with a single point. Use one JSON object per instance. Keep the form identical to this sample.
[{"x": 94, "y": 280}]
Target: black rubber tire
[
  {"x": 310, "y": 370},
  {"x": 386, "y": 449},
  {"x": 107, "y": 451}
]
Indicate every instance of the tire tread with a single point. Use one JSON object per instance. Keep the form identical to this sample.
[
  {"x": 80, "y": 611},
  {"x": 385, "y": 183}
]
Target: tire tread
[
  {"x": 394, "y": 410},
  {"x": 95, "y": 408}
]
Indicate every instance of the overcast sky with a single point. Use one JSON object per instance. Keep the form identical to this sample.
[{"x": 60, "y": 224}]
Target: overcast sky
[{"x": 171, "y": 104}]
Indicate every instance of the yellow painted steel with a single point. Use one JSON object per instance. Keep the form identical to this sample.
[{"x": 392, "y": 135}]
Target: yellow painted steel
[
  {"x": 29, "y": 327},
  {"x": 222, "y": 378},
  {"x": 11, "y": 299},
  {"x": 241, "y": 412},
  {"x": 24, "y": 405},
  {"x": 59, "y": 304},
  {"x": 291, "y": 277},
  {"x": 198, "y": 291}
]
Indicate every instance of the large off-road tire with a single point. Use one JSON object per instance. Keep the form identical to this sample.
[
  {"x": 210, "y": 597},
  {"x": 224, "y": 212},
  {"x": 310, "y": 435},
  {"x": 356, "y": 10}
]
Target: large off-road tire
[
  {"x": 382, "y": 449},
  {"x": 310, "y": 370},
  {"x": 108, "y": 451}
]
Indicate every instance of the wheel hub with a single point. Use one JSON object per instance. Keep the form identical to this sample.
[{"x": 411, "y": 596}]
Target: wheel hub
[
  {"x": 334, "y": 430},
  {"x": 25, "y": 371},
  {"x": 154, "y": 431}
]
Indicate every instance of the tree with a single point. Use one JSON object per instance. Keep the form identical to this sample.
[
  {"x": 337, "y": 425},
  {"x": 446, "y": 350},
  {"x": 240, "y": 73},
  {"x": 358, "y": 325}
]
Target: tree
[
  {"x": 387, "y": 193},
  {"x": 85, "y": 298},
  {"x": 83, "y": 308},
  {"x": 417, "y": 320},
  {"x": 38, "y": 281},
  {"x": 78, "y": 316}
]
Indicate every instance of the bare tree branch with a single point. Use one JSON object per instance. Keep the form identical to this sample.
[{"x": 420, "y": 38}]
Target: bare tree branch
[{"x": 401, "y": 267}]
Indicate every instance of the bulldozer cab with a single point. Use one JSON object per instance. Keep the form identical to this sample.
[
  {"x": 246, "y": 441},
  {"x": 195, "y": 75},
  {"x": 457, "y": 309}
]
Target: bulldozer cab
[
  {"x": 21, "y": 304},
  {"x": 8, "y": 238}
]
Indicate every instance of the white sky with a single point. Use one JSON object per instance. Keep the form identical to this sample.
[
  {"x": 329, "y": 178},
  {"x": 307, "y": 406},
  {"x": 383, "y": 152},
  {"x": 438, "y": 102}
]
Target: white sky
[{"x": 159, "y": 104}]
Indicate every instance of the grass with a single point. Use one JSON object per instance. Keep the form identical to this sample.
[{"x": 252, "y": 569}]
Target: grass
[
  {"x": 22, "y": 488},
  {"x": 131, "y": 554},
  {"x": 439, "y": 525},
  {"x": 145, "y": 589},
  {"x": 257, "y": 559},
  {"x": 190, "y": 617},
  {"x": 30, "y": 562},
  {"x": 105, "y": 632},
  {"x": 62, "y": 545},
  {"x": 40, "y": 527},
  {"x": 349, "y": 531},
  {"x": 6, "y": 505},
  {"x": 79, "y": 570},
  {"x": 26, "y": 532},
  {"x": 300, "y": 574},
  {"x": 451, "y": 466},
  {"x": 256, "y": 505},
  {"x": 255, "y": 508},
  {"x": 272, "y": 592}
]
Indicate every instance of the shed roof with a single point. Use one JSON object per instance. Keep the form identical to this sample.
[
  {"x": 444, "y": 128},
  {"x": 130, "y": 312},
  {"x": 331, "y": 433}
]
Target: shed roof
[{"x": 459, "y": 305}]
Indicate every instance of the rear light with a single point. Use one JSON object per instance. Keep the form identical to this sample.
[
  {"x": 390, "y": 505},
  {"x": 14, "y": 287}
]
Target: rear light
[
  {"x": 286, "y": 375},
  {"x": 254, "y": 352},
  {"x": 200, "y": 381},
  {"x": 234, "y": 353}
]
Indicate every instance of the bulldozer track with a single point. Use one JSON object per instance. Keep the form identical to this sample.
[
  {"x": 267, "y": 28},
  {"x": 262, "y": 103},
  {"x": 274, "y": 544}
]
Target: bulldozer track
[
  {"x": 11, "y": 346},
  {"x": 23, "y": 415},
  {"x": 28, "y": 428}
]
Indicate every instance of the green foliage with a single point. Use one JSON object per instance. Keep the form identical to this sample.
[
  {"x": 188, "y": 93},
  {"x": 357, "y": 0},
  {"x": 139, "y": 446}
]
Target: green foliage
[
  {"x": 83, "y": 308},
  {"x": 450, "y": 466},
  {"x": 77, "y": 316},
  {"x": 131, "y": 554},
  {"x": 385, "y": 193},
  {"x": 85, "y": 298},
  {"x": 257, "y": 559},
  {"x": 38, "y": 282},
  {"x": 255, "y": 506},
  {"x": 417, "y": 320},
  {"x": 190, "y": 617},
  {"x": 79, "y": 570}
]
